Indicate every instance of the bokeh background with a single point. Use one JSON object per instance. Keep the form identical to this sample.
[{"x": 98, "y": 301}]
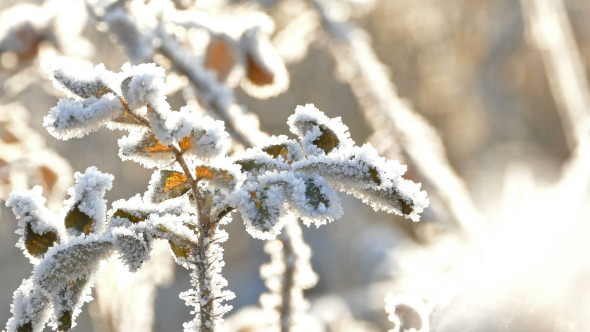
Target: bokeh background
[{"x": 473, "y": 70}]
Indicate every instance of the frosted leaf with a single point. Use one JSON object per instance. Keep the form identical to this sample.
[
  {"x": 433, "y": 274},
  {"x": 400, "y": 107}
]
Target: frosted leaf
[
  {"x": 142, "y": 146},
  {"x": 68, "y": 301},
  {"x": 166, "y": 184},
  {"x": 319, "y": 134},
  {"x": 143, "y": 84},
  {"x": 37, "y": 226},
  {"x": 125, "y": 121},
  {"x": 266, "y": 73},
  {"x": 87, "y": 206},
  {"x": 375, "y": 180},
  {"x": 138, "y": 209},
  {"x": 133, "y": 248},
  {"x": 207, "y": 137},
  {"x": 31, "y": 309},
  {"x": 278, "y": 154},
  {"x": 180, "y": 231},
  {"x": 192, "y": 135},
  {"x": 262, "y": 208},
  {"x": 77, "y": 259},
  {"x": 76, "y": 118},
  {"x": 317, "y": 202},
  {"x": 80, "y": 80},
  {"x": 262, "y": 203}
]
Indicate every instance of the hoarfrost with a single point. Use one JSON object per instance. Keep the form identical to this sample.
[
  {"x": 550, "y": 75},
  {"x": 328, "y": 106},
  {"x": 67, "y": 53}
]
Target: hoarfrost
[
  {"x": 319, "y": 134},
  {"x": 30, "y": 306},
  {"x": 29, "y": 208},
  {"x": 87, "y": 196},
  {"x": 76, "y": 118}
]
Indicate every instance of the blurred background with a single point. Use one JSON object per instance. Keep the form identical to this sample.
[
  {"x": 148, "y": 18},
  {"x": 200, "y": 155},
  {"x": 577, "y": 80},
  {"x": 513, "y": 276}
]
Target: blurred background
[{"x": 472, "y": 68}]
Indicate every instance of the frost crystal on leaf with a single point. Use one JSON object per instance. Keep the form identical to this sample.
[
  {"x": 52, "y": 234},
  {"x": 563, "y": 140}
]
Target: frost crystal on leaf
[
  {"x": 76, "y": 118},
  {"x": 39, "y": 228},
  {"x": 86, "y": 208}
]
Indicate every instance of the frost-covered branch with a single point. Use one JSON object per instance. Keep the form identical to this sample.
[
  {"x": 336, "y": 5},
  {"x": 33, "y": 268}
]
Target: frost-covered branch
[{"x": 193, "y": 189}]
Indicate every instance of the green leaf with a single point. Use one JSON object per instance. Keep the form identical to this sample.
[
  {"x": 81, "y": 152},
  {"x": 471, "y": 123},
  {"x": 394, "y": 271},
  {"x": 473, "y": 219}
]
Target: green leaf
[
  {"x": 65, "y": 321},
  {"x": 126, "y": 215},
  {"x": 38, "y": 244},
  {"x": 314, "y": 194},
  {"x": 76, "y": 219},
  {"x": 328, "y": 140},
  {"x": 27, "y": 327}
]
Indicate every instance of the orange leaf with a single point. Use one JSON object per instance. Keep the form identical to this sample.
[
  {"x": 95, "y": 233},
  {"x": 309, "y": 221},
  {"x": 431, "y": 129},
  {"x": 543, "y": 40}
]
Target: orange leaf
[
  {"x": 49, "y": 176},
  {"x": 204, "y": 173},
  {"x": 186, "y": 143},
  {"x": 219, "y": 58},
  {"x": 174, "y": 180},
  {"x": 256, "y": 74},
  {"x": 151, "y": 144}
]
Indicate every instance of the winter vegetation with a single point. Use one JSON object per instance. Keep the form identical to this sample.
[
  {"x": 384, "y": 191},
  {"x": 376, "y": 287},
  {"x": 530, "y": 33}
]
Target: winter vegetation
[{"x": 225, "y": 136}]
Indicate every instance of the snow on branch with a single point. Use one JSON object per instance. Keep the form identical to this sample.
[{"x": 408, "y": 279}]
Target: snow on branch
[
  {"x": 193, "y": 189},
  {"x": 303, "y": 175}
]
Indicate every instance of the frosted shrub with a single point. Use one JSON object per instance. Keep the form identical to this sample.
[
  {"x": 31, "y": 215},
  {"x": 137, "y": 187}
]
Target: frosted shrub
[{"x": 194, "y": 188}]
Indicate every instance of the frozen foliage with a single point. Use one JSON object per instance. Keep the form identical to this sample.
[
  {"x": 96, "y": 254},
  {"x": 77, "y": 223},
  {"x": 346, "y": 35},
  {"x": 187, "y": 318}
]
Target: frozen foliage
[
  {"x": 304, "y": 174},
  {"x": 193, "y": 189},
  {"x": 38, "y": 226}
]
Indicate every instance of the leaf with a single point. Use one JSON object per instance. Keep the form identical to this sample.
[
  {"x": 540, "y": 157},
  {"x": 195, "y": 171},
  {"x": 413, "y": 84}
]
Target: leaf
[
  {"x": 328, "y": 140},
  {"x": 38, "y": 244},
  {"x": 279, "y": 150},
  {"x": 374, "y": 175},
  {"x": 314, "y": 195},
  {"x": 7, "y": 137},
  {"x": 203, "y": 172},
  {"x": 168, "y": 184},
  {"x": 256, "y": 73},
  {"x": 186, "y": 143},
  {"x": 27, "y": 327},
  {"x": 126, "y": 215},
  {"x": 249, "y": 165},
  {"x": 82, "y": 88},
  {"x": 65, "y": 321},
  {"x": 220, "y": 58},
  {"x": 174, "y": 181},
  {"x": 149, "y": 144},
  {"x": 127, "y": 119},
  {"x": 76, "y": 219},
  {"x": 266, "y": 216},
  {"x": 181, "y": 249},
  {"x": 49, "y": 177}
]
